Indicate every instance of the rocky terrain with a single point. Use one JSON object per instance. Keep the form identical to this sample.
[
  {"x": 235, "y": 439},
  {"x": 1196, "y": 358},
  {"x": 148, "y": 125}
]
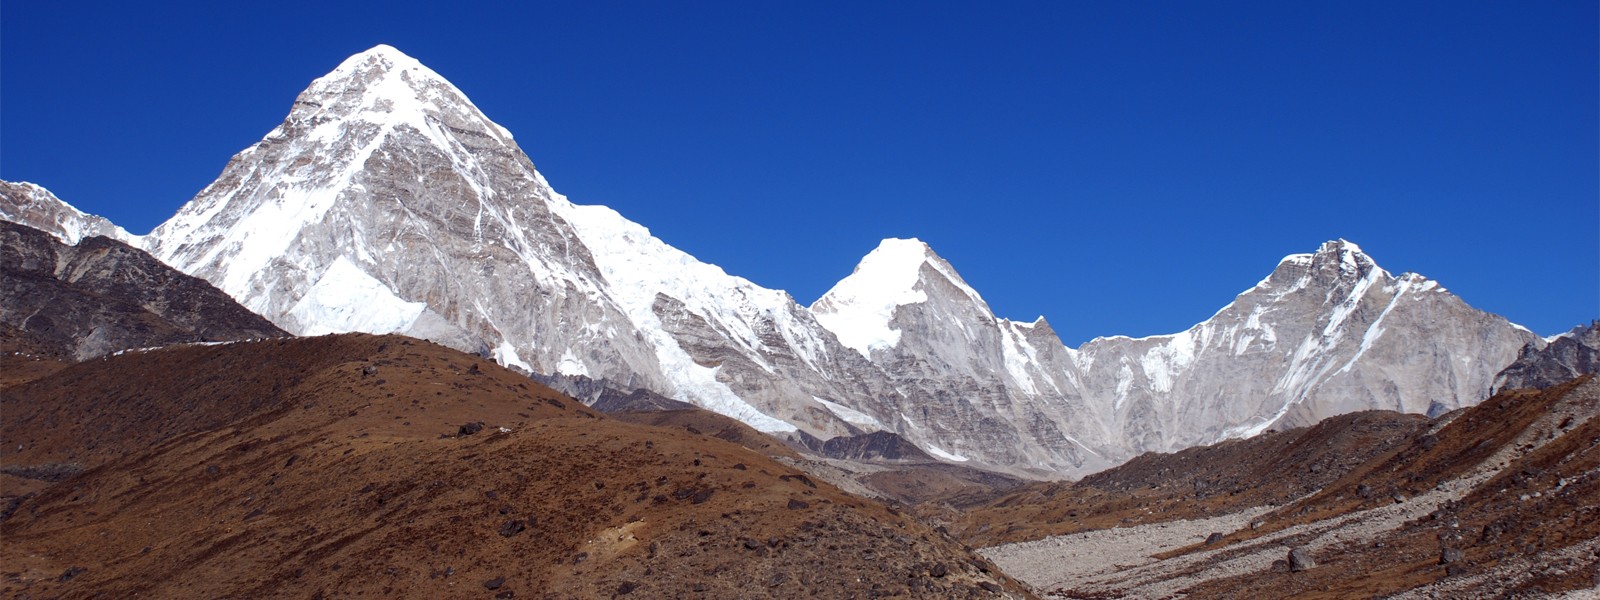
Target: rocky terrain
[
  {"x": 387, "y": 202},
  {"x": 1564, "y": 357},
  {"x": 361, "y": 465},
  {"x": 35, "y": 206},
  {"x": 1498, "y": 500},
  {"x": 1271, "y": 469},
  {"x": 101, "y": 295}
]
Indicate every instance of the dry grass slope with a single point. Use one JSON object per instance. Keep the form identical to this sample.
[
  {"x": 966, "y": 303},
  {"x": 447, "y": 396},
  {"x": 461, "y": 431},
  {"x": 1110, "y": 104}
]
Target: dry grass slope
[{"x": 339, "y": 467}]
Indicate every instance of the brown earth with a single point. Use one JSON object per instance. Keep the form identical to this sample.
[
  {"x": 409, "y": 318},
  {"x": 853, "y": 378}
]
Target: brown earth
[
  {"x": 1271, "y": 468},
  {"x": 355, "y": 466},
  {"x": 699, "y": 421}
]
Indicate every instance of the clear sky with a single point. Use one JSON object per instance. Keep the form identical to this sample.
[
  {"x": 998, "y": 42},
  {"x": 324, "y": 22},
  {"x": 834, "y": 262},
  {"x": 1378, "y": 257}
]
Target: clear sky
[{"x": 1118, "y": 167}]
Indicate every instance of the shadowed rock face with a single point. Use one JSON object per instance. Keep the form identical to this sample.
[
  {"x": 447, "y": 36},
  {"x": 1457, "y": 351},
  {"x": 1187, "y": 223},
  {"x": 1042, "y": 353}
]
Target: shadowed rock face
[
  {"x": 101, "y": 296},
  {"x": 1565, "y": 357},
  {"x": 875, "y": 446}
]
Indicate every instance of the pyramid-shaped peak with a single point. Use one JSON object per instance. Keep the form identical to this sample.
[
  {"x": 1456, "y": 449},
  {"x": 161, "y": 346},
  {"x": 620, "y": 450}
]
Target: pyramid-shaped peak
[
  {"x": 1338, "y": 251},
  {"x": 1346, "y": 254},
  {"x": 385, "y": 85},
  {"x": 897, "y": 264},
  {"x": 898, "y": 272},
  {"x": 1340, "y": 247}
]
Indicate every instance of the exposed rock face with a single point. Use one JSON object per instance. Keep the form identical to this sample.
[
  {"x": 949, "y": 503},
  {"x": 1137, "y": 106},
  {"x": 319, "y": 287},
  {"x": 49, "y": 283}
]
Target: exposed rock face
[
  {"x": 36, "y": 207},
  {"x": 1565, "y": 356},
  {"x": 1326, "y": 333},
  {"x": 101, "y": 296},
  {"x": 875, "y": 446},
  {"x": 387, "y": 202}
]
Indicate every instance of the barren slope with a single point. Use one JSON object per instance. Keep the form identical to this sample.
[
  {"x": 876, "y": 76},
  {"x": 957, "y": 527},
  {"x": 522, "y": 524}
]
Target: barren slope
[
  {"x": 1272, "y": 468},
  {"x": 339, "y": 466}
]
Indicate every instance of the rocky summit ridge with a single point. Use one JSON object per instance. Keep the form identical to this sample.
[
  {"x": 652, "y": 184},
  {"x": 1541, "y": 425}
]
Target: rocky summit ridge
[{"x": 387, "y": 202}]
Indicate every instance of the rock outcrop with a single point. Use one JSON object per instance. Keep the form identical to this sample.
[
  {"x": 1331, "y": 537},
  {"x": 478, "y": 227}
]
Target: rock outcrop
[
  {"x": 1564, "y": 357},
  {"x": 101, "y": 296}
]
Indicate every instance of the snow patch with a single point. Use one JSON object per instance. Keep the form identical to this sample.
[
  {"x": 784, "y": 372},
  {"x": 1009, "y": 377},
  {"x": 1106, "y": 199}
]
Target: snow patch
[
  {"x": 346, "y": 299},
  {"x": 938, "y": 452},
  {"x": 506, "y": 354},
  {"x": 850, "y": 415}
]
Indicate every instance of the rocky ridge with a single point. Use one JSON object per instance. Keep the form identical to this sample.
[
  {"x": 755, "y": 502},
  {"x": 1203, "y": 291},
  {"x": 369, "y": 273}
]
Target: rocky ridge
[
  {"x": 1562, "y": 358},
  {"x": 101, "y": 296}
]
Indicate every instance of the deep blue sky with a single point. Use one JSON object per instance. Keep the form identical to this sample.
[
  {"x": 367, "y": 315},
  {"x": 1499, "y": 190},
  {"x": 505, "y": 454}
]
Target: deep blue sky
[{"x": 1119, "y": 167}]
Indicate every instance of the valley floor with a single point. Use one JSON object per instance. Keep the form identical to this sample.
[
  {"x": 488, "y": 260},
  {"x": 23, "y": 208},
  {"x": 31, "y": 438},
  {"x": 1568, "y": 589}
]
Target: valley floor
[{"x": 1499, "y": 501}]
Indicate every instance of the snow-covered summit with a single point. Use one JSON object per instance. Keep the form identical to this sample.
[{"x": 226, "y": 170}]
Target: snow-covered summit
[
  {"x": 386, "y": 201},
  {"x": 860, "y": 308}
]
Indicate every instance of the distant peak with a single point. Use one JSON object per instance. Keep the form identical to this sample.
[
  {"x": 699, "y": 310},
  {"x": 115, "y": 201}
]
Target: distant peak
[
  {"x": 902, "y": 245},
  {"x": 860, "y": 308},
  {"x": 1334, "y": 261},
  {"x": 385, "y": 50}
]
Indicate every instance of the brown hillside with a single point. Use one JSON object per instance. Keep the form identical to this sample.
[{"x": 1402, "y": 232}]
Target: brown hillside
[
  {"x": 1271, "y": 468},
  {"x": 354, "y": 466},
  {"x": 1530, "y": 520}
]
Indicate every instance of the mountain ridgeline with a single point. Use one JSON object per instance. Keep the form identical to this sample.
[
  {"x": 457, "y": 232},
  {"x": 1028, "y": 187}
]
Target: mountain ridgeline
[{"x": 387, "y": 202}]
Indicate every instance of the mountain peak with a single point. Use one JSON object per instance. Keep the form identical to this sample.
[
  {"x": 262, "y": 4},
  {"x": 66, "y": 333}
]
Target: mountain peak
[
  {"x": 1339, "y": 256},
  {"x": 388, "y": 87},
  {"x": 378, "y": 62},
  {"x": 859, "y": 308}
]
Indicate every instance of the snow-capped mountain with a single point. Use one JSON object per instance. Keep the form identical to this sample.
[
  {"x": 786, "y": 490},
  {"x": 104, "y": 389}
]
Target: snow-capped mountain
[{"x": 387, "y": 202}]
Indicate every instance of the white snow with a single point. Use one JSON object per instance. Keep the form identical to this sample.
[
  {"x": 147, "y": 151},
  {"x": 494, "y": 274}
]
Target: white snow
[
  {"x": 1020, "y": 357},
  {"x": 638, "y": 266},
  {"x": 507, "y": 355},
  {"x": 347, "y": 299},
  {"x": 1163, "y": 362},
  {"x": 850, "y": 415},
  {"x": 859, "y": 309},
  {"x": 70, "y": 225},
  {"x": 940, "y": 453}
]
